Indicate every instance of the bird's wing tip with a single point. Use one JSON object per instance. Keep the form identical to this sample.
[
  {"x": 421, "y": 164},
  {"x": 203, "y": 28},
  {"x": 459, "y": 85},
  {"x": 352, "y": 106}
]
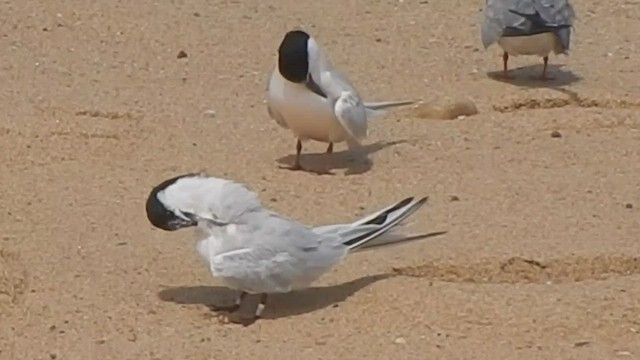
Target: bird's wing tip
[{"x": 423, "y": 199}]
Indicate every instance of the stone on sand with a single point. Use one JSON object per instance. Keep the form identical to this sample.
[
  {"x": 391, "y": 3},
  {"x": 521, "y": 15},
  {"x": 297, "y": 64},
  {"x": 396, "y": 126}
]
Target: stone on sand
[{"x": 446, "y": 108}]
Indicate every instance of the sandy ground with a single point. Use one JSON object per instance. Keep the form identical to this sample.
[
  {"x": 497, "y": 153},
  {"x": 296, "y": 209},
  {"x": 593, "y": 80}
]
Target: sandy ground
[{"x": 541, "y": 255}]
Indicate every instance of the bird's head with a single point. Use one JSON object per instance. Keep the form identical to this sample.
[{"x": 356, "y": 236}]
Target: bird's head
[
  {"x": 197, "y": 199},
  {"x": 297, "y": 54},
  {"x": 163, "y": 209}
]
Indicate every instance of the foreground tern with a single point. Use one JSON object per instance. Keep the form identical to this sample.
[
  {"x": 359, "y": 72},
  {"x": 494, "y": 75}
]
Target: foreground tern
[
  {"x": 257, "y": 251},
  {"x": 313, "y": 99},
  {"x": 528, "y": 27}
]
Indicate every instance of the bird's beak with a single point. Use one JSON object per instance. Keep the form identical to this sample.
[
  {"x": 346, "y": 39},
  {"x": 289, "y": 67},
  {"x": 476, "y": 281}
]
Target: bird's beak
[
  {"x": 194, "y": 220},
  {"x": 190, "y": 219},
  {"x": 178, "y": 223},
  {"x": 314, "y": 87}
]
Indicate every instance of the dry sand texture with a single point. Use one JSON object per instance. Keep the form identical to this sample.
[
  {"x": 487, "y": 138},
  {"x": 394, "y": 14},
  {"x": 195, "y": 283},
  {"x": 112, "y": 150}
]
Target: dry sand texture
[{"x": 541, "y": 256}]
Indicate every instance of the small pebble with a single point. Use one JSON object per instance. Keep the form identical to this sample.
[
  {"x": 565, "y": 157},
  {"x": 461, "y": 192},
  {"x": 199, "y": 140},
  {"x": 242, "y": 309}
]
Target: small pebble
[
  {"x": 453, "y": 198},
  {"x": 400, "y": 340},
  {"x": 628, "y": 205},
  {"x": 556, "y": 134},
  {"x": 182, "y": 54},
  {"x": 210, "y": 113},
  {"x": 582, "y": 343},
  {"x": 132, "y": 337}
]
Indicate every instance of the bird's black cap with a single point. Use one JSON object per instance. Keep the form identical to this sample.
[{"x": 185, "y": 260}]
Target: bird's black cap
[
  {"x": 159, "y": 215},
  {"x": 293, "y": 56}
]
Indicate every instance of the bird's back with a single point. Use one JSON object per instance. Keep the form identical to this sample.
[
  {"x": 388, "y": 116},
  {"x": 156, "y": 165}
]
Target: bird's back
[
  {"x": 269, "y": 253},
  {"x": 497, "y": 18}
]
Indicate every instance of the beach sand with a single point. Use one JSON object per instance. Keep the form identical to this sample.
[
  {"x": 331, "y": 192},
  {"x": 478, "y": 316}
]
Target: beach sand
[{"x": 541, "y": 259}]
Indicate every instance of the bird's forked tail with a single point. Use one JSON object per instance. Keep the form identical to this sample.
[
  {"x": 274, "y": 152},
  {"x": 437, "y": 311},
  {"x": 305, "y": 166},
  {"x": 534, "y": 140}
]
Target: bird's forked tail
[{"x": 376, "y": 230}]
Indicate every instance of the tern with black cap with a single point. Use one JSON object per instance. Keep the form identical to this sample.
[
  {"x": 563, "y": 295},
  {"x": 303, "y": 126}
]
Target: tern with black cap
[
  {"x": 316, "y": 101},
  {"x": 528, "y": 27},
  {"x": 257, "y": 251}
]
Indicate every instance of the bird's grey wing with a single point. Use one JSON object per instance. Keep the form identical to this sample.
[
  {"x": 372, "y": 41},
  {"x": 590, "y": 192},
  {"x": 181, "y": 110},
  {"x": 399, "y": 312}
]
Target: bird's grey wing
[
  {"x": 352, "y": 115},
  {"x": 347, "y": 105},
  {"x": 495, "y": 13},
  {"x": 312, "y": 249},
  {"x": 257, "y": 269},
  {"x": 276, "y": 254},
  {"x": 210, "y": 200},
  {"x": 557, "y": 12},
  {"x": 317, "y": 78},
  {"x": 502, "y": 19},
  {"x": 341, "y": 80}
]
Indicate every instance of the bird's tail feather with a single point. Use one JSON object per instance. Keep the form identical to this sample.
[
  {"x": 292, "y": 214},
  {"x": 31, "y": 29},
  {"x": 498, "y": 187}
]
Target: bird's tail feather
[
  {"x": 369, "y": 223},
  {"x": 393, "y": 238},
  {"x": 380, "y": 105},
  {"x": 373, "y": 230},
  {"x": 377, "y": 109}
]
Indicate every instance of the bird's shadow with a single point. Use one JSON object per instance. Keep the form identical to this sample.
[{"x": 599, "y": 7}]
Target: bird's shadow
[
  {"x": 356, "y": 161},
  {"x": 278, "y": 305},
  {"x": 526, "y": 76}
]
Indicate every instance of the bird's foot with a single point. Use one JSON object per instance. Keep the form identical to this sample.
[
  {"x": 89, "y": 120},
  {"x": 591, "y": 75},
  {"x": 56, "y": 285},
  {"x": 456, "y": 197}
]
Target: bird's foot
[
  {"x": 227, "y": 309},
  {"x": 237, "y": 317}
]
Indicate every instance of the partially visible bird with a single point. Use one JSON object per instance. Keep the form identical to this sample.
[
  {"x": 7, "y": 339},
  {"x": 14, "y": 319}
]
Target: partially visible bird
[
  {"x": 316, "y": 101},
  {"x": 528, "y": 27}
]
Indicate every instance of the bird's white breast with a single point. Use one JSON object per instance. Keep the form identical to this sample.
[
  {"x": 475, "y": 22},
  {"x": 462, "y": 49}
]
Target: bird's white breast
[
  {"x": 538, "y": 44},
  {"x": 308, "y": 115}
]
